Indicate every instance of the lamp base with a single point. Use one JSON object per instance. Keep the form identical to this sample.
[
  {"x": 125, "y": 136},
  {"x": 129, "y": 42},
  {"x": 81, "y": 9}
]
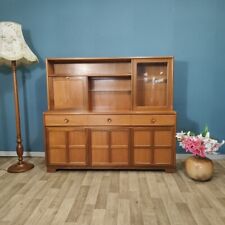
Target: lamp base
[{"x": 20, "y": 167}]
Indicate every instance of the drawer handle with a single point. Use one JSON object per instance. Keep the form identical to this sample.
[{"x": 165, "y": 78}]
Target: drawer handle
[
  {"x": 68, "y": 78},
  {"x": 109, "y": 120},
  {"x": 153, "y": 120},
  {"x": 66, "y": 120}
]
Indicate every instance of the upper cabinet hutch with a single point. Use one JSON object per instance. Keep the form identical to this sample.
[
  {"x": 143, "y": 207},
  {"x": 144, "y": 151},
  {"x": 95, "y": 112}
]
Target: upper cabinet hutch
[{"x": 110, "y": 113}]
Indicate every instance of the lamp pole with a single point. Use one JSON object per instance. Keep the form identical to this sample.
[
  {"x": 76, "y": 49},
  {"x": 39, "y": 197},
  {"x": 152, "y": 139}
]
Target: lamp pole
[{"x": 20, "y": 166}]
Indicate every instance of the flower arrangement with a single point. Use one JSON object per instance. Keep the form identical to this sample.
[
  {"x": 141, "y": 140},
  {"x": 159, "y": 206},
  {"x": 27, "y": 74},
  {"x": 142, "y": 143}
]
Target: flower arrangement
[{"x": 200, "y": 144}]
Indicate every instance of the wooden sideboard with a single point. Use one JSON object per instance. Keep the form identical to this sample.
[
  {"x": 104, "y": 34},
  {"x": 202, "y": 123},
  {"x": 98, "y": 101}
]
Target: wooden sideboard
[{"x": 110, "y": 113}]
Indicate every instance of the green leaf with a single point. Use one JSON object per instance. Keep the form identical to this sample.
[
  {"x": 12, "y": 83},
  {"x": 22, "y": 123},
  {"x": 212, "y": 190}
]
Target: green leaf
[
  {"x": 192, "y": 133},
  {"x": 205, "y": 131}
]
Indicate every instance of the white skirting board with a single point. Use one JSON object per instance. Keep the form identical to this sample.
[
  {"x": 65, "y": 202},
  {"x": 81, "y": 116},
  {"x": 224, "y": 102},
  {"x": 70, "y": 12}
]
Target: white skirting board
[
  {"x": 42, "y": 154},
  {"x": 30, "y": 154}
]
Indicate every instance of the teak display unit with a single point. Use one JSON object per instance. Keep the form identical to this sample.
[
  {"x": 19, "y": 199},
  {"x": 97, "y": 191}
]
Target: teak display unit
[{"x": 110, "y": 113}]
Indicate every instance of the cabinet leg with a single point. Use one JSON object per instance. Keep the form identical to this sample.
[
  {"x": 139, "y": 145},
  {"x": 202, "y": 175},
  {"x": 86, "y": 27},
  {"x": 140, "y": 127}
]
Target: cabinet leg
[{"x": 51, "y": 169}]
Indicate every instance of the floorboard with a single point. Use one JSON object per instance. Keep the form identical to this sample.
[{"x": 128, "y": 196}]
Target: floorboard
[{"x": 109, "y": 197}]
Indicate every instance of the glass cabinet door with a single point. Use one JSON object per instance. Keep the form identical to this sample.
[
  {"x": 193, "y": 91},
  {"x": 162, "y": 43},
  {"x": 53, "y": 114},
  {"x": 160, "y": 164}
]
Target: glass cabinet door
[{"x": 153, "y": 84}]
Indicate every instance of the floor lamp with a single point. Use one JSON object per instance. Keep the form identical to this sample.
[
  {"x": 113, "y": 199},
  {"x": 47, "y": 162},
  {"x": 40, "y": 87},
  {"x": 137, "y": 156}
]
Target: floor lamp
[{"x": 13, "y": 52}]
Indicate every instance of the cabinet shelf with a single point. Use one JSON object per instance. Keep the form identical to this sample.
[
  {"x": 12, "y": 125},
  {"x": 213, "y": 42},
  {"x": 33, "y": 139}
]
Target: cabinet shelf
[
  {"x": 90, "y": 75},
  {"x": 109, "y": 90},
  {"x": 153, "y": 80}
]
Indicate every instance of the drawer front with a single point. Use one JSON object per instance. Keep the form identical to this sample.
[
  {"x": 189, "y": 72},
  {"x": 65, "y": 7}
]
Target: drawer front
[
  {"x": 109, "y": 120},
  {"x": 65, "y": 120},
  {"x": 153, "y": 120}
]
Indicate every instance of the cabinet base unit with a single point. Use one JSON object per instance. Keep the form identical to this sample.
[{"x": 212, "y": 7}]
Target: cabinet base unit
[
  {"x": 110, "y": 113},
  {"x": 101, "y": 142}
]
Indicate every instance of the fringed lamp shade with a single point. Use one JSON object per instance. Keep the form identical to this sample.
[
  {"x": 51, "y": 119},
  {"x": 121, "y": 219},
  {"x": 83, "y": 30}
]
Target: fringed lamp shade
[{"x": 13, "y": 46}]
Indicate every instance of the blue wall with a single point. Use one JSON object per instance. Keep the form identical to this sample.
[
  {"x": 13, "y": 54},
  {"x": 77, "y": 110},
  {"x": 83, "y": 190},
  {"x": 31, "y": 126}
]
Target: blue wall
[{"x": 193, "y": 31}]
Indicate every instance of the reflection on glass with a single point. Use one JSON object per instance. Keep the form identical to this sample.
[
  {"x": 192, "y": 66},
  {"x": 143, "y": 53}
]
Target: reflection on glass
[{"x": 151, "y": 84}]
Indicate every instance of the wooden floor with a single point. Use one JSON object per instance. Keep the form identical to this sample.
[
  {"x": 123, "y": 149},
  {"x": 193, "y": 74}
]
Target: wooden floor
[{"x": 109, "y": 197}]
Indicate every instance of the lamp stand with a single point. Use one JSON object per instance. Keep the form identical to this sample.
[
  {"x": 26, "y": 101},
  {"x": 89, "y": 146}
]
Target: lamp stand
[{"x": 20, "y": 166}]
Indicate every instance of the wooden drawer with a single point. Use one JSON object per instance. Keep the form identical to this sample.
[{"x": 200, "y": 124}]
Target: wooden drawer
[
  {"x": 109, "y": 120},
  {"x": 65, "y": 120},
  {"x": 153, "y": 120}
]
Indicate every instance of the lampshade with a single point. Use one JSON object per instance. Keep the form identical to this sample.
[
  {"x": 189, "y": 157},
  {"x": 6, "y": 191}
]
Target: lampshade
[{"x": 13, "y": 46}]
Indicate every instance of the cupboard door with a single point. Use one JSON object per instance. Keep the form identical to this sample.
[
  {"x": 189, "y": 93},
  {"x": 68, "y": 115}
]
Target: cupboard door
[
  {"x": 69, "y": 93},
  {"x": 100, "y": 147},
  {"x": 163, "y": 145},
  {"x": 67, "y": 146},
  {"x": 142, "y": 146},
  {"x": 77, "y": 145},
  {"x": 56, "y": 146},
  {"x": 119, "y": 146},
  {"x": 153, "y": 84},
  {"x": 110, "y": 146}
]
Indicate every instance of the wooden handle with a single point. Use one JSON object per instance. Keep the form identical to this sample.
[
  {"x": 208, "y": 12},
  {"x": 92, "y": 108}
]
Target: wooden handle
[
  {"x": 66, "y": 120},
  {"x": 153, "y": 120},
  {"x": 109, "y": 120}
]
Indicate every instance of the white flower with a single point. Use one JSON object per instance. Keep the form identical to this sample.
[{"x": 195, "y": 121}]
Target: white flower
[
  {"x": 198, "y": 144},
  {"x": 180, "y": 135},
  {"x": 207, "y": 135}
]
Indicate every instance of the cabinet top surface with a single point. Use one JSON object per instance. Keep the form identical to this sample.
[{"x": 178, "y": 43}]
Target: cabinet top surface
[
  {"x": 79, "y": 112},
  {"x": 106, "y": 58}
]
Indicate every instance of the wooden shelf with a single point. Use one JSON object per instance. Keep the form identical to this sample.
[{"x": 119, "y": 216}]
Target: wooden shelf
[
  {"x": 110, "y": 90},
  {"x": 90, "y": 75}
]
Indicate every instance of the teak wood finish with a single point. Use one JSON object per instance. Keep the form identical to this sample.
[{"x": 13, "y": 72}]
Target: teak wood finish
[
  {"x": 21, "y": 165},
  {"x": 110, "y": 113}
]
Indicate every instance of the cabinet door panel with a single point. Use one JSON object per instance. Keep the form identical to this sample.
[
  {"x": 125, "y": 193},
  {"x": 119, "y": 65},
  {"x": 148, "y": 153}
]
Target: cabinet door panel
[
  {"x": 153, "y": 83},
  {"x": 57, "y": 155},
  {"x": 163, "y": 138},
  {"x": 78, "y": 147},
  {"x": 142, "y": 137},
  {"x": 69, "y": 93},
  {"x": 119, "y": 156},
  {"x": 163, "y": 145},
  {"x": 56, "y": 146},
  {"x": 142, "y": 156},
  {"x": 78, "y": 156},
  {"x": 162, "y": 156},
  {"x": 110, "y": 146},
  {"x": 120, "y": 147},
  {"x": 119, "y": 137},
  {"x": 99, "y": 138},
  {"x": 100, "y": 147},
  {"x": 142, "y": 153},
  {"x": 67, "y": 146},
  {"x": 100, "y": 156}
]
